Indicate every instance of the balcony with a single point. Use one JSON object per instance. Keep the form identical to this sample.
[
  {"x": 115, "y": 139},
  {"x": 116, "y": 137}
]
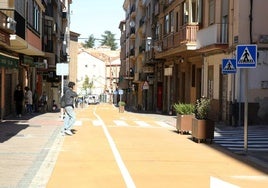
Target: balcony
[
  {"x": 7, "y": 23},
  {"x": 212, "y": 38},
  {"x": 148, "y": 69},
  {"x": 186, "y": 36}
]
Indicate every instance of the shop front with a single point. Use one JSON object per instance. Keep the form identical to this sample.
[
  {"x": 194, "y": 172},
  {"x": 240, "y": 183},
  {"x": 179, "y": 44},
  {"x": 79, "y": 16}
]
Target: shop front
[{"x": 8, "y": 75}]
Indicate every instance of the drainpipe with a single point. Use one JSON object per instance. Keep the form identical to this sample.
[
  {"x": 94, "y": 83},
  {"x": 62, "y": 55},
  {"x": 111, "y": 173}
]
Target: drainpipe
[{"x": 250, "y": 21}]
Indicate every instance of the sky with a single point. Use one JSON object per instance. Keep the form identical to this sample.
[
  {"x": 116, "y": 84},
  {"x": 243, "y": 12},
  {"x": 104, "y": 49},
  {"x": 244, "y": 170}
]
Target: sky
[{"x": 96, "y": 16}]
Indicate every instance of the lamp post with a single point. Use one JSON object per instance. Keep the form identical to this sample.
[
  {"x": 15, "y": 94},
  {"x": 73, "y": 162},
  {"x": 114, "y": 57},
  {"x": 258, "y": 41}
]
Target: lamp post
[{"x": 111, "y": 80}]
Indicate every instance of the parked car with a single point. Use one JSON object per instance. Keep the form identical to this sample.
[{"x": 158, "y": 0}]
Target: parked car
[{"x": 93, "y": 99}]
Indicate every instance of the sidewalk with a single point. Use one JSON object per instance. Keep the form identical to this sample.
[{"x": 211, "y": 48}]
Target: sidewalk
[{"x": 29, "y": 149}]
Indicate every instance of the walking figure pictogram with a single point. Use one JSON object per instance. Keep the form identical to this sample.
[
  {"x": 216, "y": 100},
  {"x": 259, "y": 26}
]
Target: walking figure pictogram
[{"x": 245, "y": 55}]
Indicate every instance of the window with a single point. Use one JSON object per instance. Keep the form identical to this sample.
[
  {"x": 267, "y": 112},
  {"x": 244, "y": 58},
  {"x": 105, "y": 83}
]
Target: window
[
  {"x": 192, "y": 11},
  {"x": 211, "y": 12},
  {"x": 48, "y": 41},
  {"x": 171, "y": 21},
  {"x": 33, "y": 13},
  {"x": 185, "y": 13},
  {"x": 36, "y": 17},
  {"x": 166, "y": 24},
  {"x": 177, "y": 22}
]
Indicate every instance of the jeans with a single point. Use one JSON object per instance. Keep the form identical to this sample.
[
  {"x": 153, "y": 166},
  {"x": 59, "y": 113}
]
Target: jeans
[
  {"x": 29, "y": 108},
  {"x": 69, "y": 118}
]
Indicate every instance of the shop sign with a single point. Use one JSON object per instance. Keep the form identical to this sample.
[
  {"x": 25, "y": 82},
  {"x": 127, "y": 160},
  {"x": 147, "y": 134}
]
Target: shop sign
[{"x": 6, "y": 61}]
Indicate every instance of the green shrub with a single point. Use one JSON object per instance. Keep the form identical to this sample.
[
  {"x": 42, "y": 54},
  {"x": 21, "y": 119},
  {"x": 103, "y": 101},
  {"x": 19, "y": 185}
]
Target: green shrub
[
  {"x": 184, "y": 109},
  {"x": 121, "y": 103},
  {"x": 202, "y": 108}
]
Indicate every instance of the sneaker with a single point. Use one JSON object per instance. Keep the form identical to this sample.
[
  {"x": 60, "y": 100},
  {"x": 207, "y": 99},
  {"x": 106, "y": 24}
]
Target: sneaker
[{"x": 68, "y": 132}]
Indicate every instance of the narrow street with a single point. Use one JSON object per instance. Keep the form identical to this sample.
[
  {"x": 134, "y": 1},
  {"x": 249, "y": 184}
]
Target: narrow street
[{"x": 112, "y": 149}]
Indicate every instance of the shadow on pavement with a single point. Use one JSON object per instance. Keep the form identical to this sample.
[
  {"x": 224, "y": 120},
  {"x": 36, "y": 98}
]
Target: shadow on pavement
[{"x": 11, "y": 128}]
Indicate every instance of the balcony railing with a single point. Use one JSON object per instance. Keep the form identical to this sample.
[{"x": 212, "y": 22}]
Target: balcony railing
[
  {"x": 187, "y": 35},
  {"x": 214, "y": 34}
]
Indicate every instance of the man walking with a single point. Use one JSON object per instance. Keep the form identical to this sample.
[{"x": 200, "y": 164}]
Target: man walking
[
  {"x": 18, "y": 98},
  {"x": 70, "y": 118}
]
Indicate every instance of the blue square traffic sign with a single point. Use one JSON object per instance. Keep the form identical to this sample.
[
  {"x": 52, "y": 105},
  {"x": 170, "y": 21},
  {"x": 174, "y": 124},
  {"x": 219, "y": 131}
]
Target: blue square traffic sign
[
  {"x": 228, "y": 66},
  {"x": 246, "y": 56}
]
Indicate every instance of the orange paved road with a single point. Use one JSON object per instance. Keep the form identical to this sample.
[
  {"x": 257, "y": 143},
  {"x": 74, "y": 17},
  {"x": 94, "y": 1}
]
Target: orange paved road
[{"x": 153, "y": 156}]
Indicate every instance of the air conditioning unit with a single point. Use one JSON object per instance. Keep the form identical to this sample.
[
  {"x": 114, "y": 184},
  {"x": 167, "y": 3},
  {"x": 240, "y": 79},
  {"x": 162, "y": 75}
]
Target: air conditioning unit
[{"x": 11, "y": 24}]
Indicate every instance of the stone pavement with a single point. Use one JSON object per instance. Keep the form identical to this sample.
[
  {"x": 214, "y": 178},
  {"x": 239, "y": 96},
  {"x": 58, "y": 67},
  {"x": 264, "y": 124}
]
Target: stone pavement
[
  {"x": 26, "y": 145},
  {"x": 29, "y": 148}
]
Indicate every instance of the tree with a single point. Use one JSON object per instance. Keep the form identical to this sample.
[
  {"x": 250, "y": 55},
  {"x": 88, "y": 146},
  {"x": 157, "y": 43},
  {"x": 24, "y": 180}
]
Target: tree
[
  {"x": 108, "y": 39},
  {"x": 90, "y": 43},
  {"x": 87, "y": 85}
]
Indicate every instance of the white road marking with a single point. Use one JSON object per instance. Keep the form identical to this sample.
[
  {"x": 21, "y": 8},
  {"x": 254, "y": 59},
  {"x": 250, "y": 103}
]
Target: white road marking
[
  {"x": 120, "y": 123},
  {"x": 163, "y": 124},
  {"x": 97, "y": 122},
  {"x": 216, "y": 183},
  {"x": 142, "y": 123},
  {"x": 124, "y": 171}
]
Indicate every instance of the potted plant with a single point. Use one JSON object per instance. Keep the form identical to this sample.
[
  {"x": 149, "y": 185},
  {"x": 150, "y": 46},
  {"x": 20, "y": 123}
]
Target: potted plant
[
  {"x": 185, "y": 113},
  {"x": 202, "y": 126},
  {"x": 121, "y": 105}
]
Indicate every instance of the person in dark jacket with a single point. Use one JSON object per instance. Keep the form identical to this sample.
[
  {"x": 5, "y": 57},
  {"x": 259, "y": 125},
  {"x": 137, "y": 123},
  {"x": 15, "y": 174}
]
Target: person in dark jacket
[
  {"x": 18, "y": 99},
  {"x": 69, "y": 118}
]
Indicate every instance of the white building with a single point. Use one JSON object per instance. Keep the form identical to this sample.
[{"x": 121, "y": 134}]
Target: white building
[{"x": 93, "y": 68}]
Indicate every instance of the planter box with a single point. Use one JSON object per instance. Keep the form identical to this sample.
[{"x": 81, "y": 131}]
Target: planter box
[
  {"x": 184, "y": 123},
  {"x": 202, "y": 130},
  {"x": 121, "y": 109}
]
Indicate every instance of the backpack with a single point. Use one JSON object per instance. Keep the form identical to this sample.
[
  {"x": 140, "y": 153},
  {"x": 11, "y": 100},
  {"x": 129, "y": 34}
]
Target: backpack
[{"x": 62, "y": 101}]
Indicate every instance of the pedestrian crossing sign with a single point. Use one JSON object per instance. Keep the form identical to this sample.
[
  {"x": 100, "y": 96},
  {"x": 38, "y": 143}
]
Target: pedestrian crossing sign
[
  {"x": 228, "y": 66},
  {"x": 246, "y": 56}
]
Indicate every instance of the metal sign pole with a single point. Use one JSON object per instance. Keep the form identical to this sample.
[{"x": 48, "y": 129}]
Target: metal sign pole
[
  {"x": 246, "y": 112},
  {"x": 62, "y": 84}
]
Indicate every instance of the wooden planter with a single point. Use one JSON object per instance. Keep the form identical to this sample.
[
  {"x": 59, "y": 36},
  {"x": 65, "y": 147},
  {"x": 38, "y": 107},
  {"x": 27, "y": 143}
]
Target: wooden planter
[
  {"x": 184, "y": 123},
  {"x": 121, "y": 109},
  {"x": 202, "y": 130}
]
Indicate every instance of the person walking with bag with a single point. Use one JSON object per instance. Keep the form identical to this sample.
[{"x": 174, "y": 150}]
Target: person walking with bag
[
  {"x": 69, "y": 119},
  {"x": 18, "y": 99}
]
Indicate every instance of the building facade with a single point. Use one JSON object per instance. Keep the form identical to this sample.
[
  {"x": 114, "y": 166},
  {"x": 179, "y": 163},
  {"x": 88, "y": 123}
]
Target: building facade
[
  {"x": 30, "y": 47},
  {"x": 101, "y": 67},
  {"x": 179, "y": 46}
]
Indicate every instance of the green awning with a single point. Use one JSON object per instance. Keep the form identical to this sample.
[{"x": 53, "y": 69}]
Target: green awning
[{"x": 8, "y": 61}]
